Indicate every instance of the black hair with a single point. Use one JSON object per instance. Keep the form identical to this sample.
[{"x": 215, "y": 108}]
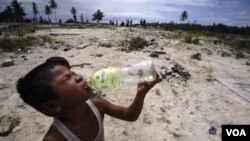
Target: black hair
[{"x": 34, "y": 88}]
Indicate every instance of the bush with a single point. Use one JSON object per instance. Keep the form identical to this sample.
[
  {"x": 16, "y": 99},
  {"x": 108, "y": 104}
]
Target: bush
[
  {"x": 239, "y": 44},
  {"x": 196, "y": 41},
  {"x": 12, "y": 44},
  {"x": 137, "y": 43},
  {"x": 188, "y": 39}
]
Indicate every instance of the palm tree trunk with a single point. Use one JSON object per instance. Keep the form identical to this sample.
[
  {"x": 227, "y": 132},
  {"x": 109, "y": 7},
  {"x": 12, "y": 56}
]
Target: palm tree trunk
[{"x": 55, "y": 16}]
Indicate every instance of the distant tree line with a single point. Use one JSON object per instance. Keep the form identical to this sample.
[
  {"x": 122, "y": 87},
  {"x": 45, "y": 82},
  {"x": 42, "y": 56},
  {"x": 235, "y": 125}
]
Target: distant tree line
[
  {"x": 14, "y": 12},
  {"x": 215, "y": 28}
]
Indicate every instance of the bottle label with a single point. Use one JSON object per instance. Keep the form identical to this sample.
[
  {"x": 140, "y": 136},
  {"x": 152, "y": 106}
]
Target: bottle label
[{"x": 104, "y": 78}]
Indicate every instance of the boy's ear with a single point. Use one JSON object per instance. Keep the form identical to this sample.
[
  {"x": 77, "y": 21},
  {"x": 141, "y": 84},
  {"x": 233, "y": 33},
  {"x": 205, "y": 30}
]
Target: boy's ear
[{"x": 51, "y": 107}]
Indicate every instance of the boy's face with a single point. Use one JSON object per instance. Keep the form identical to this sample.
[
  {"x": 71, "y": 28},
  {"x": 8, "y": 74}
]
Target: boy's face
[{"x": 70, "y": 87}]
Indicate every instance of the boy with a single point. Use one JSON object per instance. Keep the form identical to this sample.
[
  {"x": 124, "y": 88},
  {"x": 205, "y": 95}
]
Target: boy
[{"x": 53, "y": 89}]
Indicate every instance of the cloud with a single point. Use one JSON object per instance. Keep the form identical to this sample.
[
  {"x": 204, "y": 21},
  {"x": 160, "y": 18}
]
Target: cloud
[
  {"x": 203, "y": 11},
  {"x": 230, "y": 4}
]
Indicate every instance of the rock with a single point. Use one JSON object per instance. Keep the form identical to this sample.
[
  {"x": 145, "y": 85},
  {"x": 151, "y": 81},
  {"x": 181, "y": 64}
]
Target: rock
[
  {"x": 146, "y": 51},
  {"x": 173, "y": 74},
  {"x": 82, "y": 46},
  {"x": 247, "y": 63},
  {"x": 169, "y": 70},
  {"x": 152, "y": 41},
  {"x": 105, "y": 43},
  {"x": 67, "y": 48},
  {"x": 29, "y": 52},
  {"x": 7, "y": 124},
  {"x": 239, "y": 55},
  {"x": 157, "y": 91},
  {"x": 163, "y": 74},
  {"x": 93, "y": 39},
  {"x": 80, "y": 65},
  {"x": 160, "y": 52},
  {"x": 3, "y": 86},
  {"x": 196, "y": 56},
  {"x": 154, "y": 55},
  {"x": 99, "y": 55},
  {"x": 55, "y": 47},
  {"x": 20, "y": 103},
  {"x": 225, "y": 54},
  {"x": 58, "y": 42},
  {"x": 212, "y": 130},
  {"x": 7, "y": 63},
  {"x": 13, "y": 56},
  {"x": 180, "y": 70},
  {"x": 207, "y": 51},
  {"x": 147, "y": 121},
  {"x": 210, "y": 78},
  {"x": 167, "y": 58}
]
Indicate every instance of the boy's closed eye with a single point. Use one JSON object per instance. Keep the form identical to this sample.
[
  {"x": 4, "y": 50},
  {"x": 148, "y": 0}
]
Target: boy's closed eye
[{"x": 68, "y": 76}]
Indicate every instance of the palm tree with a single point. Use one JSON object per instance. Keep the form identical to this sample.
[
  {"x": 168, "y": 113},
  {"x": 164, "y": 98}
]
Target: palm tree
[
  {"x": 53, "y": 6},
  {"x": 98, "y": 15},
  {"x": 48, "y": 11},
  {"x": 18, "y": 11},
  {"x": 73, "y": 12},
  {"x": 8, "y": 14},
  {"x": 184, "y": 16},
  {"x": 81, "y": 17},
  {"x": 35, "y": 12}
]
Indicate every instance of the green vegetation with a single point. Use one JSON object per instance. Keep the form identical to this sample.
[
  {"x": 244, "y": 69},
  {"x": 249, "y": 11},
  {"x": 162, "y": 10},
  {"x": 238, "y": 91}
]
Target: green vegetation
[
  {"x": 13, "y": 12},
  {"x": 13, "y": 44},
  {"x": 189, "y": 39},
  {"x": 35, "y": 12},
  {"x": 184, "y": 16},
  {"x": 48, "y": 11},
  {"x": 209, "y": 30},
  {"x": 73, "y": 12},
  {"x": 135, "y": 43},
  {"x": 53, "y": 6},
  {"x": 97, "y": 16},
  {"x": 18, "y": 29}
]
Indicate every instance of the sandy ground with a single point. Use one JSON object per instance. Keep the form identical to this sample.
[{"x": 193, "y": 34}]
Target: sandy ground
[{"x": 174, "y": 111}]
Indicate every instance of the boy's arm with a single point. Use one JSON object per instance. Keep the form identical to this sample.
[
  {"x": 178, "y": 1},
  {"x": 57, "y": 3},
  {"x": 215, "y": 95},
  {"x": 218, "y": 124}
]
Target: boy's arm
[{"x": 132, "y": 112}]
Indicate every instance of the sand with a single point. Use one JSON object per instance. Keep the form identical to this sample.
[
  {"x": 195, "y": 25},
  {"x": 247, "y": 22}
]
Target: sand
[{"x": 173, "y": 110}]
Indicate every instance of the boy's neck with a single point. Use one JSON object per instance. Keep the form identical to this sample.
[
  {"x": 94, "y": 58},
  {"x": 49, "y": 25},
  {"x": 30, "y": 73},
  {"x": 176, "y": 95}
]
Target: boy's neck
[{"x": 76, "y": 114}]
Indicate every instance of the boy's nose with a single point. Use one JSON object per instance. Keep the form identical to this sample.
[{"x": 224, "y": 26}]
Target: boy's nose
[{"x": 78, "y": 78}]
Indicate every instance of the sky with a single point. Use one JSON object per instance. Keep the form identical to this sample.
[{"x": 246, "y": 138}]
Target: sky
[{"x": 207, "y": 12}]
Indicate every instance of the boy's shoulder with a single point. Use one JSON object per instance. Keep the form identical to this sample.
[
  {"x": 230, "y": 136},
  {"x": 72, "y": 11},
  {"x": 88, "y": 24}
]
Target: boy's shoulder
[
  {"x": 99, "y": 103},
  {"x": 53, "y": 135}
]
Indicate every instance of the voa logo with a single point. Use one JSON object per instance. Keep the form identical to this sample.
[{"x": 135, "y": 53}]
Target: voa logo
[{"x": 236, "y": 132}]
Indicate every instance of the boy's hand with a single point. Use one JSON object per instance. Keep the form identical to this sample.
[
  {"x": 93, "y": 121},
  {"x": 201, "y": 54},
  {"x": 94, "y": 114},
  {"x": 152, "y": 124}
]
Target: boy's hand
[
  {"x": 132, "y": 112},
  {"x": 144, "y": 87}
]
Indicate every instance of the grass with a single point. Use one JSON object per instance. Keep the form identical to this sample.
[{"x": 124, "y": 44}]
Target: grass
[
  {"x": 135, "y": 43},
  {"x": 239, "y": 44},
  {"x": 13, "y": 44},
  {"x": 236, "y": 42},
  {"x": 19, "y": 29},
  {"x": 84, "y": 26}
]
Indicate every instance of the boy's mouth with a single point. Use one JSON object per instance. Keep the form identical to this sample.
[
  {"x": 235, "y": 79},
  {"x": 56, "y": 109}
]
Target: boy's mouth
[{"x": 84, "y": 84}]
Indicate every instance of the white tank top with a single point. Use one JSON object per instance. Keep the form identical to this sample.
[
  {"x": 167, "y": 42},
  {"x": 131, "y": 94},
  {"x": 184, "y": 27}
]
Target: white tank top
[{"x": 71, "y": 136}]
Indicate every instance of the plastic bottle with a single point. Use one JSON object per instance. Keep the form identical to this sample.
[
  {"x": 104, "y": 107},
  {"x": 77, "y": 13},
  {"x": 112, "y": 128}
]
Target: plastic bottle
[{"x": 113, "y": 77}]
